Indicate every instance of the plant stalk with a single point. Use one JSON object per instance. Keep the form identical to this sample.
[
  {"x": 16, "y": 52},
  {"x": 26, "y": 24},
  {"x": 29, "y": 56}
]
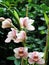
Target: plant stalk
[
  {"x": 27, "y": 11},
  {"x": 47, "y": 47}
]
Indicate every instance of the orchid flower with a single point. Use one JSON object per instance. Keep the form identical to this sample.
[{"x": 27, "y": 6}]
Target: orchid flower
[
  {"x": 21, "y": 52},
  {"x": 36, "y": 57},
  {"x": 11, "y": 35},
  {"x": 15, "y": 36},
  {"x": 6, "y": 23},
  {"x": 27, "y": 23},
  {"x": 21, "y": 37},
  {"x": 2, "y": 18}
]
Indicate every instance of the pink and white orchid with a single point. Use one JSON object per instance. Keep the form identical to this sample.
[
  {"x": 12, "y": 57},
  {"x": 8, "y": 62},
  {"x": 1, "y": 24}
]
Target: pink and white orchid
[
  {"x": 21, "y": 37},
  {"x": 6, "y": 23},
  {"x": 15, "y": 36},
  {"x": 21, "y": 52},
  {"x": 2, "y": 18},
  {"x": 26, "y": 23},
  {"x": 11, "y": 35},
  {"x": 36, "y": 57}
]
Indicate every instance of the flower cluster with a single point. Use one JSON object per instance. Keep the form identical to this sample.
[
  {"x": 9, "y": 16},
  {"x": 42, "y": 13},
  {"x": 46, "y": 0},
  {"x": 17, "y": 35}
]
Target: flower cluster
[
  {"x": 20, "y": 36},
  {"x": 33, "y": 57},
  {"x": 14, "y": 34}
]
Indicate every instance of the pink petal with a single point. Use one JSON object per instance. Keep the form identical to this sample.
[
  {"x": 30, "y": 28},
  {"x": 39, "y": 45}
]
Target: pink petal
[
  {"x": 15, "y": 50},
  {"x": 6, "y": 23},
  {"x": 30, "y": 21},
  {"x": 26, "y": 49},
  {"x": 41, "y": 54},
  {"x": 30, "y": 61},
  {"x": 30, "y": 27},
  {"x": 41, "y": 61},
  {"x": 21, "y": 22},
  {"x": 8, "y": 40},
  {"x": 20, "y": 37},
  {"x": 10, "y": 34},
  {"x": 17, "y": 56},
  {"x": 30, "y": 55},
  {"x": 16, "y": 40},
  {"x": 2, "y": 18},
  {"x": 25, "y": 52}
]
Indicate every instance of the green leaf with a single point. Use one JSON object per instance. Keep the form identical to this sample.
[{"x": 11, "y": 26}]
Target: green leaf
[
  {"x": 17, "y": 61},
  {"x": 16, "y": 15},
  {"x": 29, "y": 1},
  {"x": 44, "y": 7},
  {"x": 46, "y": 18},
  {"x": 7, "y": 3},
  {"x": 41, "y": 28},
  {"x": 43, "y": 32},
  {"x": 11, "y": 58}
]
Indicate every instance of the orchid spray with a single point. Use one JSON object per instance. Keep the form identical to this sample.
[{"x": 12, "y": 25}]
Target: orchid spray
[{"x": 17, "y": 35}]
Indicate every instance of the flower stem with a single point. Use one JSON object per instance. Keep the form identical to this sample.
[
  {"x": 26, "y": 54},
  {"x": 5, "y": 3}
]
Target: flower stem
[
  {"x": 27, "y": 11},
  {"x": 47, "y": 47},
  {"x": 22, "y": 63},
  {"x": 13, "y": 26}
]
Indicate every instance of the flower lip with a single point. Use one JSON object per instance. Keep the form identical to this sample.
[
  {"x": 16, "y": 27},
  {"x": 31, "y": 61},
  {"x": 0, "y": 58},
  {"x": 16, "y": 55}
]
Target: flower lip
[
  {"x": 21, "y": 51},
  {"x": 35, "y": 58}
]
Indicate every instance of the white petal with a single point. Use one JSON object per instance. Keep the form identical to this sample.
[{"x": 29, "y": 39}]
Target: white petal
[
  {"x": 30, "y": 55},
  {"x": 2, "y": 18},
  {"x": 41, "y": 54},
  {"x": 15, "y": 50},
  {"x": 30, "y": 21},
  {"x": 20, "y": 37},
  {"x": 21, "y": 22},
  {"x": 9, "y": 34},
  {"x": 30, "y": 27},
  {"x": 26, "y": 49},
  {"x": 30, "y": 61},
  {"x": 16, "y": 40},
  {"x": 17, "y": 56},
  {"x": 41, "y": 61},
  {"x": 8, "y": 19},
  {"x": 8, "y": 40}
]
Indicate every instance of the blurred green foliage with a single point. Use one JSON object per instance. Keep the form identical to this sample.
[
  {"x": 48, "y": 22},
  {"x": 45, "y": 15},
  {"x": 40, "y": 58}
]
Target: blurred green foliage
[{"x": 36, "y": 9}]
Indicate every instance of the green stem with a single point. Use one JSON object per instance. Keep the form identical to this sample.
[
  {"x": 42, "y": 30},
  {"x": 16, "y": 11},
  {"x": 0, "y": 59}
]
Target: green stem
[
  {"x": 13, "y": 26},
  {"x": 27, "y": 11},
  {"x": 22, "y": 63},
  {"x": 3, "y": 5},
  {"x": 47, "y": 47},
  {"x": 24, "y": 44},
  {"x": 15, "y": 18}
]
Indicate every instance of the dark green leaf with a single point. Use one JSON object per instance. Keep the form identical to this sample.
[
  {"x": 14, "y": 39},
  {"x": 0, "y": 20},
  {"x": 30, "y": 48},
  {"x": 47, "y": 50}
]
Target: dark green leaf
[
  {"x": 11, "y": 58},
  {"x": 17, "y": 61},
  {"x": 46, "y": 18}
]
